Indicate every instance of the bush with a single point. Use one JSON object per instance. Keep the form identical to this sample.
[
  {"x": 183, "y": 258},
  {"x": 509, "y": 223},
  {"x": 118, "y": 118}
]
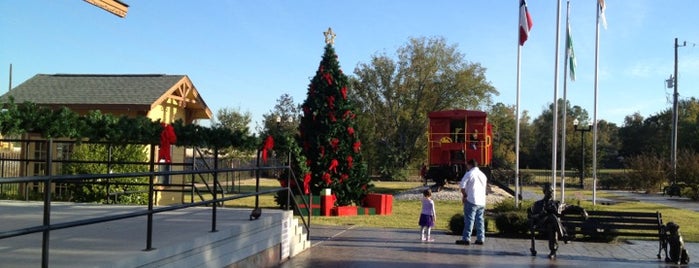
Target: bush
[
  {"x": 613, "y": 181},
  {"x": 512, "y": 223},
  {"x": 456, "y": 224},
  {"x": 509, "y": 205}
]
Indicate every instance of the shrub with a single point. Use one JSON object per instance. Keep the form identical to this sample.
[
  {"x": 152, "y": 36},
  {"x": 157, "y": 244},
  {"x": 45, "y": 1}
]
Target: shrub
[
  {"x": 96, "y": 190},
  {"x": 512, "y": 223},
  {"x": 456, "y": 224},
  {"x": 613, "y": 181},
  {"x": 646, "y": 172}
]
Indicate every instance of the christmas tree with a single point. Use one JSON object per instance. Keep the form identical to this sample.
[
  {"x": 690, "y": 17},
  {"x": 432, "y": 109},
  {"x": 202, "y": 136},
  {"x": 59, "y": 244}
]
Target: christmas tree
[{"x": 328, "y": 136}]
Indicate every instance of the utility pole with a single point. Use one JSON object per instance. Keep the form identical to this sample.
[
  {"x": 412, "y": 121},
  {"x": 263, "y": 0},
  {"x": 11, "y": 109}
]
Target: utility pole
[{"x": 675, "y": 112}]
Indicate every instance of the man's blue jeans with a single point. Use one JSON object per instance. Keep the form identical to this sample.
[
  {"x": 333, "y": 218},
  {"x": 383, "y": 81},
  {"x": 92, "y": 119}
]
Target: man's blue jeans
[{"x": 473, "y": 214}]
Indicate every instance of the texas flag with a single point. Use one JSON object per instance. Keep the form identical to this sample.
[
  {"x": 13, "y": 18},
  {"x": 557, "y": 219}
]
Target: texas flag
[{"x": 525, "y": 22}]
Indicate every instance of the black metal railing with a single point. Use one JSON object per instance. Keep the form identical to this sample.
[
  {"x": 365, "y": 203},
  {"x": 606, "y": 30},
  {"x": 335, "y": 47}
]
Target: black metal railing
[{"x": 50, "y": 180}]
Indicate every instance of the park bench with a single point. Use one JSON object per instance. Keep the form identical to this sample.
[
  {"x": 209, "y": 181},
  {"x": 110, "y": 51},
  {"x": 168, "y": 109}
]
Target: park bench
[{"x": 608, "y": 224}]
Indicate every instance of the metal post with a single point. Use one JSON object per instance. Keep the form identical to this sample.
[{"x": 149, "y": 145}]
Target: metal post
[
  {"x": 582, "y": 160},
  {"x": 151, "y": 197},
  {"x": 47, "y": 207},
  {"x": 215, "y": 204},
  {"x": 582, "y": 130}
]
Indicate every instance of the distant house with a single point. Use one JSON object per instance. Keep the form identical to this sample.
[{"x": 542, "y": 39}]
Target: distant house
[{"x": 160, "y": 97}]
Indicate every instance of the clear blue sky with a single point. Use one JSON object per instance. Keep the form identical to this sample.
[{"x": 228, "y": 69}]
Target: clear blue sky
[{"x": 246, "y": 54}]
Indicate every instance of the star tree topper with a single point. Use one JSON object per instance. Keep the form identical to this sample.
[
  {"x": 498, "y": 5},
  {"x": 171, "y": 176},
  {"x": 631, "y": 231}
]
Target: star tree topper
[{"x": 329, "y": 36}]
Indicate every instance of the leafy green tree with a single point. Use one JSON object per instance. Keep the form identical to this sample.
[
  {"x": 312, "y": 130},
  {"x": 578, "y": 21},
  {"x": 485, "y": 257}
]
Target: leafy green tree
[
  {"x": 502, "y": 117},
  {"x": 396, "y": 95},
  {"x": 527, "y": 140},
  {"x": 235, "y": 121},
  {"x": 329, "y": 137},
  {"x": 282, "y": 123}
]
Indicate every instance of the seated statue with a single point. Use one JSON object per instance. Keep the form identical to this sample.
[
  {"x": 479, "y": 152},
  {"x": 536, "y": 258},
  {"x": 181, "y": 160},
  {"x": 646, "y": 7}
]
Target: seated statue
[{"x": 544, "y": 215}]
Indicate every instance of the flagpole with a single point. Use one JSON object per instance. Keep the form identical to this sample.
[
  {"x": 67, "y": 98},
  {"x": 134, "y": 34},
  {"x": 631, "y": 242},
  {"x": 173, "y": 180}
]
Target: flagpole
[
  {"x": 554, "y": 145},
  {"x": 517, "y": 190},
  {"x": 594, "y": 116},
  {"x": 565, "y": 105}
]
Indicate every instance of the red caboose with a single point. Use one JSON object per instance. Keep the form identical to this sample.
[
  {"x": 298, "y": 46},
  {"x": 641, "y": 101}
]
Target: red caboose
[{"x": 454, "y": 137}]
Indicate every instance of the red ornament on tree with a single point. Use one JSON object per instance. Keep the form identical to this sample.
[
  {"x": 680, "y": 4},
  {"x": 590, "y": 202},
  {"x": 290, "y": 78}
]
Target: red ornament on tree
[
  {"x": 350, "y": 161},
  {"x": 350, "y": 131},
  {"x": 344, "y": 92}
]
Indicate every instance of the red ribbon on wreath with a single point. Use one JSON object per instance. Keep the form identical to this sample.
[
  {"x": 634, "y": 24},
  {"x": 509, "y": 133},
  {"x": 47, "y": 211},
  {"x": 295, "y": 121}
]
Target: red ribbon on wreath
[
  {"x": 167, "y": 137},
  {"x": 267, "y": 146},
  {"x": 307, "y": 183}
]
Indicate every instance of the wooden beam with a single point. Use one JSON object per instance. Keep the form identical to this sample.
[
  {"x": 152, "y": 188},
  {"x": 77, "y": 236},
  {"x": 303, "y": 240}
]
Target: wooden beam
[{"x": 115, "y": 7}]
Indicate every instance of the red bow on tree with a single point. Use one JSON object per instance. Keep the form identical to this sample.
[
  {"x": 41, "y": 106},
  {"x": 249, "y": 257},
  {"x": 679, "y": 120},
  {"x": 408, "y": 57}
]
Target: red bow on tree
[
  {"x": 350, "y": 161},
  {"x": 344, "y": 92},
  {"x": 334, "y": 143},
  {"x": 357, "y": 145},
  {"x": 350, "y": 131},
  {"x": 331, "y": 102},
  {"x": 343, "y": 177},
  {"x": 328, "y": 78},
  {"x": 333, "y": 165},
  {"x": 268, "y": 145},
  {"x": 326, "y": 178}
]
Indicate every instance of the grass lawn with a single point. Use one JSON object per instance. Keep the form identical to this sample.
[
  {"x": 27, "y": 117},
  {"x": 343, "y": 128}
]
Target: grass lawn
[{"x": 405, "y": 213}]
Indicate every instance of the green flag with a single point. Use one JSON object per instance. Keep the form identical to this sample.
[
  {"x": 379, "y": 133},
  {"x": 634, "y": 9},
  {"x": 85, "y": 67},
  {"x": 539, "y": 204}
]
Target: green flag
[{"x": 571, "y": 54}]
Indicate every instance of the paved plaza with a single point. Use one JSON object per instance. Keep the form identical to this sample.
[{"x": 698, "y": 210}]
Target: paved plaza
[
  {"x": 354, "y": 246},
  {"x": 351, "y": 246}
]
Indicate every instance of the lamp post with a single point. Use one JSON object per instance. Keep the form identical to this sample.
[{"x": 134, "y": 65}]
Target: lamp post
[{"x": 582, "y": 130}]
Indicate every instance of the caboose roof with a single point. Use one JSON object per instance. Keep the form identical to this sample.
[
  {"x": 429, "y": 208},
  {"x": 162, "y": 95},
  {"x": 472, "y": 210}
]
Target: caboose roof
[{"x": 456, "y": 114}]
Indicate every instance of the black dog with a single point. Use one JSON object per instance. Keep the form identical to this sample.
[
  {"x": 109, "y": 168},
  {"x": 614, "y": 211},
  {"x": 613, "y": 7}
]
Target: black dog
[{"x": 673, "y": 240}]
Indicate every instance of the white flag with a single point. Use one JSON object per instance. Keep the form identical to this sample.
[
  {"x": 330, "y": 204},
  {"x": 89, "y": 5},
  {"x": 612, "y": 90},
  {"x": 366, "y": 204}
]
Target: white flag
[{"x": 602, "y": 8}]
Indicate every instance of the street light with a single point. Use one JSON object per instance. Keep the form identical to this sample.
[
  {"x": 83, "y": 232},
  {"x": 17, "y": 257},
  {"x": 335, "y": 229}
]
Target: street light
[{"x": 582, "y": 130}]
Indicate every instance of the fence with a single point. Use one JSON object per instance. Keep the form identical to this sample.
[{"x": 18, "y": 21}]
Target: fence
[{"x": 49, "y": 181}]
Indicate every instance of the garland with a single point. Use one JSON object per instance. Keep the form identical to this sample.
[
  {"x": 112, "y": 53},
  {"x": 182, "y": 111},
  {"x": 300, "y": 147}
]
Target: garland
[{"x": 96, "y": 126}]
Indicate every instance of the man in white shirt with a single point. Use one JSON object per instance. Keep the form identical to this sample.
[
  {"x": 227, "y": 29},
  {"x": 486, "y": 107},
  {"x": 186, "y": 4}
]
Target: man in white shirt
[{"x": 473, "y": 186}]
